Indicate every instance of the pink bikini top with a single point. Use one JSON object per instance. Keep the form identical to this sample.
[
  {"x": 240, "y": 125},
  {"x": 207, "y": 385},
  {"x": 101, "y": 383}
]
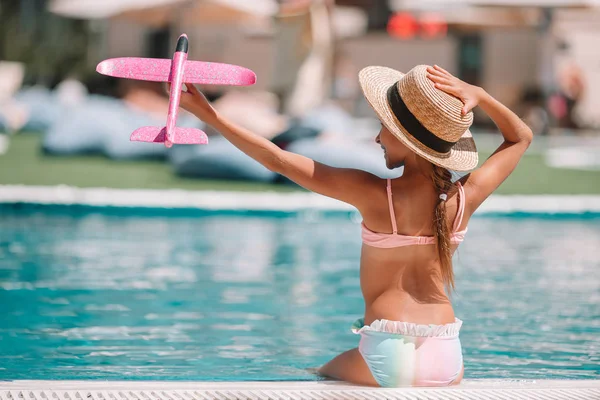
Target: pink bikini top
[{"x": 390, "y": 240}]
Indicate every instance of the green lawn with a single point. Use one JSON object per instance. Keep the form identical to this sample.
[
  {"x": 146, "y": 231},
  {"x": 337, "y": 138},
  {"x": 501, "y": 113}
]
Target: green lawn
[
  {"x": 25, "y": 164},
  {"x": 533, "y": 176}
]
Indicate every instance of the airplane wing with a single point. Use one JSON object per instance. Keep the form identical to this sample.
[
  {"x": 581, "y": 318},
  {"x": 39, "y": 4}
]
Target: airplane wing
[
  {"x": 217, "y": 74},
  {"x": 159, "y": 70},
  {"x": 145, "y": 69}
]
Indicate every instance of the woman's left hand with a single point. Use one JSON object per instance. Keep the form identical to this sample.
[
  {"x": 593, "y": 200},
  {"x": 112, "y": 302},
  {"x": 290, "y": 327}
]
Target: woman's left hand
[{"x": 470, "y": 95}]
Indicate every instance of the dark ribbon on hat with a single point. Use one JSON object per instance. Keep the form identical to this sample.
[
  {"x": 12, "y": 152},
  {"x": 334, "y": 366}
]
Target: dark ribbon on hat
[{"x": 412, "y": 124}]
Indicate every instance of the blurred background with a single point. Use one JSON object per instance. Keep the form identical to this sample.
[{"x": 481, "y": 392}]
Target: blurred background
[{"x": 63, "y": 123}]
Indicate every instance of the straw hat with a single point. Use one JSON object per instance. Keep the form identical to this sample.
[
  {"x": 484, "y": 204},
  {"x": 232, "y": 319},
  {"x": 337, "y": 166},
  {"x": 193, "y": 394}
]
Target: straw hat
[{"x": 426, "y": 119}]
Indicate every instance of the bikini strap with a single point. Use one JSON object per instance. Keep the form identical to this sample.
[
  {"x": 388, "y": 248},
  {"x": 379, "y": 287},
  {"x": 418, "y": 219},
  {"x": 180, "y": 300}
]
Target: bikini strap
[
  {"x": 391, "y": 204},
  {"x": 461, "y": 208}
]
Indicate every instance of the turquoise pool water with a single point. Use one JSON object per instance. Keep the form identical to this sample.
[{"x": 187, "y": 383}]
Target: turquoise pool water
[{"x": 216, "y": 297}]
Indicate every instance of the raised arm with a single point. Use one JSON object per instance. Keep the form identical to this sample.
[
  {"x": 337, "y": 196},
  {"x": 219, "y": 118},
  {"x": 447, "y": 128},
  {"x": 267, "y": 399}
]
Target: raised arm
[
  {"x": 345, "y": 184},
  {"x": 517, "y": 135}
]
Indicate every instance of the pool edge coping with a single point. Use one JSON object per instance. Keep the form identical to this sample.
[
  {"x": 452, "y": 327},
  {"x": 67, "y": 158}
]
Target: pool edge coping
[
  {"x": 213, "y": 200},
  {"x": 467, "y": 384},
  {"x": 159, "y": 390}
]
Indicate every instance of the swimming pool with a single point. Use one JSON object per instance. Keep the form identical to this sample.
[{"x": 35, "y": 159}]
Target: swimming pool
[{"x": 111, "y": 295}]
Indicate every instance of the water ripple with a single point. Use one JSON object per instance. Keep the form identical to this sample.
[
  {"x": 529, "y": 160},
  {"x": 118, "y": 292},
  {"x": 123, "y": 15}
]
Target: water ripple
[{"x": 243, "y": 298}]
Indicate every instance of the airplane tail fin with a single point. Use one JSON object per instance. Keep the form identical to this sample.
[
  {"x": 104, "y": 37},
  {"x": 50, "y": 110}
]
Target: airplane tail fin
[
  {"x": 149, "y": 134},
  {"x": 158, "y": 135},
  {"x": 189, "y": 136}
]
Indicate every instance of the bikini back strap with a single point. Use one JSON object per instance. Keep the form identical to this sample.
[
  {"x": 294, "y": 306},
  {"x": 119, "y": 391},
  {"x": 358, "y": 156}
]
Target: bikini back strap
[
  {"x": 391, "y": 204},
  {"x": 461, "y": 208}
]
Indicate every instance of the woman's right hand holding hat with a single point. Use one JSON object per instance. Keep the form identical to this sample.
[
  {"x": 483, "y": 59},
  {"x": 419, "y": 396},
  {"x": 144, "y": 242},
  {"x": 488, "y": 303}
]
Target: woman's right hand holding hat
[{"x": 470, "y": 95}]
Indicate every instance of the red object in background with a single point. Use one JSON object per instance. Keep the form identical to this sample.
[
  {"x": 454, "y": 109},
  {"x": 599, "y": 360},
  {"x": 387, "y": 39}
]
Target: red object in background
[
  {"x": 403, "y": 25},
  {"x": 558, "y": 106},
  {"x": 433, "y": 25}
]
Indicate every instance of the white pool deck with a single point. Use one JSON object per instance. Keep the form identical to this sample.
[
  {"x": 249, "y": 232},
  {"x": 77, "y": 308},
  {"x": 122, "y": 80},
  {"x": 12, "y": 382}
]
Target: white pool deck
[
  {"x": 264, "y": 201},
  {"x": 469, "y": 389}
]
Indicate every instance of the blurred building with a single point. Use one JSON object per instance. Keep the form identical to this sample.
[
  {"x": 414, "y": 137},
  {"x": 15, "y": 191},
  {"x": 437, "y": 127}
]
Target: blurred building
[
  {"x": 508, "y": 50},
  {"x": 517, "y": 52}
]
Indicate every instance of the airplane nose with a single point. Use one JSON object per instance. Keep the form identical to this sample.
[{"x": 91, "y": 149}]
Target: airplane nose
[{"x": 182, "y": 44}]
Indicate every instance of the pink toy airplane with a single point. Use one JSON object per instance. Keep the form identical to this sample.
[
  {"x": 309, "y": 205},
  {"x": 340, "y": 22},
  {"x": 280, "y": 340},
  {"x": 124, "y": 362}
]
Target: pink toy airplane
[{"x": 176, "y": 71}]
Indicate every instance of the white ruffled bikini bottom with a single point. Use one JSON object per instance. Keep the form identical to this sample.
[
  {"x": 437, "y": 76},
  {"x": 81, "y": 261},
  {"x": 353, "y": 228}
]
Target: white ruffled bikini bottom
[{"x": 407, "y": 354}]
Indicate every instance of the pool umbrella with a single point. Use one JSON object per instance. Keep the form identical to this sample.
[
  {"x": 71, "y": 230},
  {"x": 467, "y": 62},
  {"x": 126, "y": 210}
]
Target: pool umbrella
[
  {"x": 398, "y": 4},
  {"x": 94, "y": 9},
  {"x": 158, "y": 13}
]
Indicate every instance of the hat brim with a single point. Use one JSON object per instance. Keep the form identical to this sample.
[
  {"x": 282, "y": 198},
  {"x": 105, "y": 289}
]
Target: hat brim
[{"x": 375, "y": 82}]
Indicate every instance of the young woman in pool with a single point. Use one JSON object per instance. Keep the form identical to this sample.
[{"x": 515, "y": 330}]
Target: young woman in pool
[{"x": 411, "y": 225}]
